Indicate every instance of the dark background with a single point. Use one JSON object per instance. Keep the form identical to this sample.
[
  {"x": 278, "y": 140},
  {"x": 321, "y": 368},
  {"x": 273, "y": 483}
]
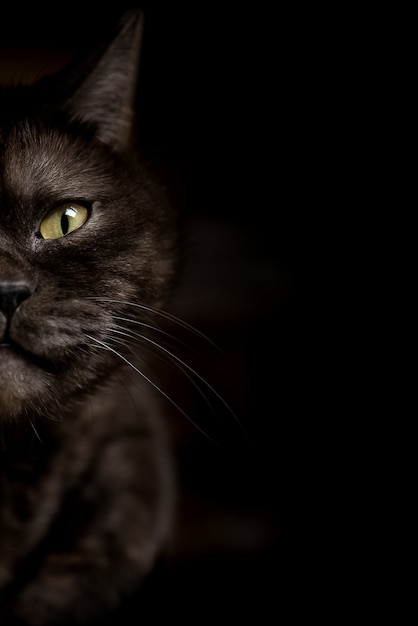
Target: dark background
[{"x": 223, "y": 109}]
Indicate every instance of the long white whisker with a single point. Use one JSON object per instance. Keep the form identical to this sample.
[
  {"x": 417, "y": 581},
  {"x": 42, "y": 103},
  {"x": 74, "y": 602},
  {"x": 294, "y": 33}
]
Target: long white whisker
[
  {"x": 165, "y": 314},
  {"x": 138, "y": 371},
  {"x": 121, "y": 342},
  {"x": 35, "y": 431},
  {"x": 187, "y": 367},
  {"x": 133, "y": 335},
  {"x": 150, "y": 326}
]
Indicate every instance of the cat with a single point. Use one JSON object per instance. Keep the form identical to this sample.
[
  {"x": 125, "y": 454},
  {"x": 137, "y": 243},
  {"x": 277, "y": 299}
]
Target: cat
[{"x": 89, "y": 252}]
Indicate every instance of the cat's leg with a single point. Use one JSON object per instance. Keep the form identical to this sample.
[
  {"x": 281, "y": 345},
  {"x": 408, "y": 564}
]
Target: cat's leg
[{"x": 106, "y": 538}]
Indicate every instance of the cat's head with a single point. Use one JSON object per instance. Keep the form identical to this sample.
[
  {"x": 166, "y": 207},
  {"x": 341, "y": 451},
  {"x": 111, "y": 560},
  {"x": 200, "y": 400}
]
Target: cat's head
[{"x": 83, "y": 229}]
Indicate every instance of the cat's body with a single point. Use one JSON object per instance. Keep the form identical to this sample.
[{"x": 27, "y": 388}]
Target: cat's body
[{"x": 88, "y": 250}]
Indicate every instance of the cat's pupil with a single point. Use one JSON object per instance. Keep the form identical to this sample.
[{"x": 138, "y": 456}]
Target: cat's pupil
[{"x": 65, "y": 224}]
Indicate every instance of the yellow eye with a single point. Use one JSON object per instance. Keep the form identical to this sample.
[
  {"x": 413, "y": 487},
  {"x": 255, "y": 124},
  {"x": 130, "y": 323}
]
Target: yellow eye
[{"x": 63, "y": 220}]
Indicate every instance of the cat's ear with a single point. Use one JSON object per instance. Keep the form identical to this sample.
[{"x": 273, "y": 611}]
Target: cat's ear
[{"x": 101, "y": 90}]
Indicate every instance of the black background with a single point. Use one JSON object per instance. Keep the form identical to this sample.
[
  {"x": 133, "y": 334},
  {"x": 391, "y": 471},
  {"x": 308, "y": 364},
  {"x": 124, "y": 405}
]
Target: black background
[{"x": 223, "y": 105}]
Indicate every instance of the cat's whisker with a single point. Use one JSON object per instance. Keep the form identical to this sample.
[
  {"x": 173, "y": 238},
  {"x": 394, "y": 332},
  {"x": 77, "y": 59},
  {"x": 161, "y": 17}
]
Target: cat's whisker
[
  {"x": 183, "y": 365},
  {"x": 150, "y": 326},
  {"x": 121, "y": 342},
  {"x": 151, "y": 382},
  {"x": 164, "y": 314},
  {"x": 186, "y": 374},
  {"x": 135, "y": 336},
  {"x": 35, "y": 431}
]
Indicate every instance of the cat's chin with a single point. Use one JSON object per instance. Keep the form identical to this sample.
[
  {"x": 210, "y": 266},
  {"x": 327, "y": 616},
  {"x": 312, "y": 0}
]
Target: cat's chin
[{"x": 22, "y": 384}]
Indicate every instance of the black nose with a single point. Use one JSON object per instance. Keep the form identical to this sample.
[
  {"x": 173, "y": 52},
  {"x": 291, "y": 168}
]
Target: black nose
[{"x": 11, "y": 295}]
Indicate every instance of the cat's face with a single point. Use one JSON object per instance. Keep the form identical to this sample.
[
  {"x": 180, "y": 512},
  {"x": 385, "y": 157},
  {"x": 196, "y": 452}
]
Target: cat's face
[{"x": 82, "y": 234}]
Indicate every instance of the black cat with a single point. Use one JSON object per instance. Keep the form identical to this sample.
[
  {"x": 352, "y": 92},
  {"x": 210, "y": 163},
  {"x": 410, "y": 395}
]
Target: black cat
[{"x": 88, "y": 253}]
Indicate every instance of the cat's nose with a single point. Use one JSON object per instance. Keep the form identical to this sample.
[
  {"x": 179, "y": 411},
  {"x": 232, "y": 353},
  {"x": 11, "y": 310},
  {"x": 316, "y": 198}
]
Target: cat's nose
[{"x": 11, "y": 295}]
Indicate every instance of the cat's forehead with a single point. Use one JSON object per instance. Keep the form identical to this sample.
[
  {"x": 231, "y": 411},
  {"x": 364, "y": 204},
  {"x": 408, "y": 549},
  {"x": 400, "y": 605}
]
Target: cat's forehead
[{"x": 35, "y": 158}]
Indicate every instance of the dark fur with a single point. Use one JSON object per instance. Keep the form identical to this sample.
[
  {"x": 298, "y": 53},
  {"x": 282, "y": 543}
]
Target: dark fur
[{"x": 84, "y": 487}]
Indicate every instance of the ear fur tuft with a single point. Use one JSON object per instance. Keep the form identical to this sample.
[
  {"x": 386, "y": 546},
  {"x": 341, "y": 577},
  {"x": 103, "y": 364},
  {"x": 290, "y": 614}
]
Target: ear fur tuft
[{"x": 101, "y": 90}]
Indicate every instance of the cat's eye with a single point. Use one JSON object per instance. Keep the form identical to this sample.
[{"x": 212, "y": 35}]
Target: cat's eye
[{"x": 63, "y": 220}]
